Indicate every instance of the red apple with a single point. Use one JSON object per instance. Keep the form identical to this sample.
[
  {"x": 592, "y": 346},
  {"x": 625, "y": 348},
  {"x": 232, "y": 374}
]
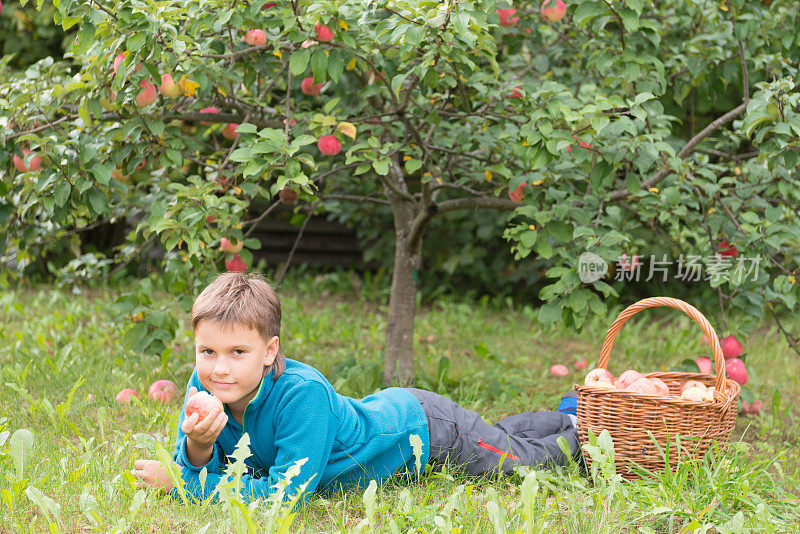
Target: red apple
[
  {"x": 736, "y": 370},
  {"x": 163, "y": 391},
  {"x": 516, "y": 92},
  {"x": 255, "y": 38},
  {"x": 627, "y": 378},
  {"x": 202, "y": 403},
  {"x": 119, "y": 58},
  {"x": 19, "y": 162},
  {"x": 269, "y": 5},
  {"x": 209, "y": 109},
  {"x": 229, "y": 132},
  {"x": 126, "y": 395},
  {"x": 147, "y": 95},
  {"x": 517, "y": 194},
  {"x": 705, "y": 366},
  {"x": 168, "y": 86},
  {"x": 308, "y": 87},
  {"x": 726, "y": 249},
  {"x": 553, "y": 10},
  {"x": 643, "y": 385},
  {"x": 225, "y": 245},
  {"x": 559, "y": 370},
  {"x": 753, "y": 409},
  {"x": 581, "y": 364},
  {"x": 236, "y": 265},
  {"x": 661, "y": 388},
  {"x": 507, "y": 17},
  {"x": 288, "y": 195},
  {"x": 598, "y": 375},
  {"x": 329, "y": 145},
  {"x": 324, "y": 33},
  {"x": 731, "y": 348}
]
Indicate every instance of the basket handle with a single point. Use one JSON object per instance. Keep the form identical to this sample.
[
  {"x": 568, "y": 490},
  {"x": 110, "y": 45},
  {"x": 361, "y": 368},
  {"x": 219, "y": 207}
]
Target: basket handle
[{"x": 655, "y": 302}]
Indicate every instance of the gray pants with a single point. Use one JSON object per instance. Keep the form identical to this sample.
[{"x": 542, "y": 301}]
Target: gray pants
[{"x": 526, "y": 439}]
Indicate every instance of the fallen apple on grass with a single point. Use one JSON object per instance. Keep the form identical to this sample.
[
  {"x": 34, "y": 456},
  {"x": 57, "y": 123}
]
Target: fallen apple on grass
[
  {"x": 126, "y": 395},
  {"x": 559, "y": 370},
  {"x": 753, "y": 409},
  {"x": 580, "y": 364},
  {"x": 163, "y": 391},
  {"x": 202, "y": 403}
]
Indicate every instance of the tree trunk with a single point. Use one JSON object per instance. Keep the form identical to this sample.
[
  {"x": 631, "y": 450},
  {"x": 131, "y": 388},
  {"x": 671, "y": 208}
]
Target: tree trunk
[{"x": 399, "y": 355}]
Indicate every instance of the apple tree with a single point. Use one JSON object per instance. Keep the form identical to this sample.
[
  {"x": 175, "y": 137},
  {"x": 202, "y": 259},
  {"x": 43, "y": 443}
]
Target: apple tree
[{"x": 612, "y": 127}]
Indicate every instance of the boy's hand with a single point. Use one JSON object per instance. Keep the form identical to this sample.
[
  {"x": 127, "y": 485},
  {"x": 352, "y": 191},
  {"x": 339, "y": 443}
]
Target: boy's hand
[
  {"x": 203, "y": 434},
  {"x": 151, "y": 473}
]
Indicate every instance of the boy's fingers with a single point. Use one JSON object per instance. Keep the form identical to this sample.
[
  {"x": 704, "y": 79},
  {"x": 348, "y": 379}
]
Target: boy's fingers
[{"x": 192, "y": 391}]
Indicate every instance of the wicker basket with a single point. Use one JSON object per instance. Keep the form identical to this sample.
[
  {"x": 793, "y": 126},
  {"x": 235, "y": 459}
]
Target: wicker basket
[{"x": 628, "y": 416}]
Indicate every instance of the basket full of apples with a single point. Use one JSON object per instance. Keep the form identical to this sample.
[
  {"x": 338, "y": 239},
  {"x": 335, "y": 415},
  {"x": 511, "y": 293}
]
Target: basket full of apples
[{"x": 648, "y": 414}]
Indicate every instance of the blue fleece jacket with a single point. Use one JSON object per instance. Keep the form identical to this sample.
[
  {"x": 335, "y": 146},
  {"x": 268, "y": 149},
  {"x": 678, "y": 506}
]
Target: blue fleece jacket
[{"x": 348, "y": 442}]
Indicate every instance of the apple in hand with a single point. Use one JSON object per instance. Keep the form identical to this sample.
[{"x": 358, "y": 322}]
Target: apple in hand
[
  {"x": 553, "y": 10},
  {"x": 202, "y": 403},
  {"x": 598, "y": 375},
  {"x": 559, "y": 370},
  {"x": 731, "y": 348},
  {"x": 126, "y": 395},
  {"x": 163, "y": 391},
  {"x": 627, "y": 378}
]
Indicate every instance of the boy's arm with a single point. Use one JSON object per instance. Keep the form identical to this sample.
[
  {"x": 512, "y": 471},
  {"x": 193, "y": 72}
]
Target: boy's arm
[
  {"x": 190, "y": 457},
  {"x": 305, "y": 428}
]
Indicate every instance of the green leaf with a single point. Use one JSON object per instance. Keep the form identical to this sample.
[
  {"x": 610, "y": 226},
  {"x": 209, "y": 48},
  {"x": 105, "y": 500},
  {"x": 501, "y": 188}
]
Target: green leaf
[
  {"x": 98, "y": 201},
  {"x": 413, "y": 165},
  {"x": 298, "y": 62},
  {"x": 381, "y": 166},
  {"x": 20, "y": 448},
  {"x": 61, "y": 193},
  {"x": 136, "y": 41},
  {"x": 587, "y": 11}
]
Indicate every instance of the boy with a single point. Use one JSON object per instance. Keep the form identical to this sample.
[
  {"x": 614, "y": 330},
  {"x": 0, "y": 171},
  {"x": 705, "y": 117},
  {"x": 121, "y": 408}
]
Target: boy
[{"x": 291, "y": 412}]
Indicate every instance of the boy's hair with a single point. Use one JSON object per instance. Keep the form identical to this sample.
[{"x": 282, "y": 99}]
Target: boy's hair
[{"x": 244, "y": 299}]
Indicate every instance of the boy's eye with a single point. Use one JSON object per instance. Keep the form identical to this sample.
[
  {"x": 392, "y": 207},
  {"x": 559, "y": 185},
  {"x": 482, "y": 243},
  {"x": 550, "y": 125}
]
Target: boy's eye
[
  {"x": 238, "y": 352},
  {"x": 207, "y": 351}
]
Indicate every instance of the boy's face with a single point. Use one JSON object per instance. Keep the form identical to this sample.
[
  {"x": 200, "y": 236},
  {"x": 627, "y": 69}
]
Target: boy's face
[{"x": 231, "y": 360}]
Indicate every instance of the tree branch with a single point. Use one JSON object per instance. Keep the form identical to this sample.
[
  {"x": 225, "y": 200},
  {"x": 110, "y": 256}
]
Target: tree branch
[{"x": 688, "y": 147}]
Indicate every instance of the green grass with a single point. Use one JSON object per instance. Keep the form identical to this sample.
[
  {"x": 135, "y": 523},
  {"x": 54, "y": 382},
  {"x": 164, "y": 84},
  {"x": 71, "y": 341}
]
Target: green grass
[{"x": 489, "y": 356}]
